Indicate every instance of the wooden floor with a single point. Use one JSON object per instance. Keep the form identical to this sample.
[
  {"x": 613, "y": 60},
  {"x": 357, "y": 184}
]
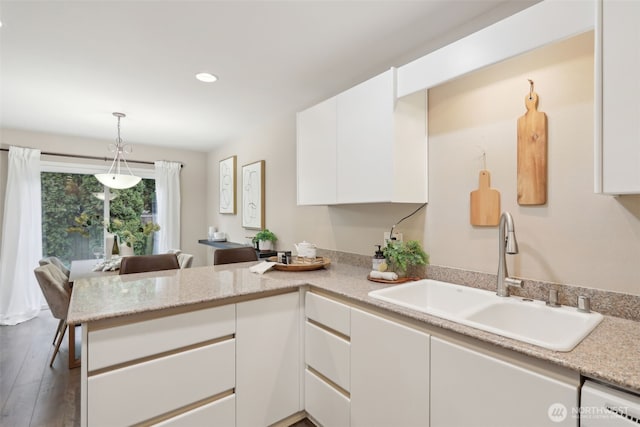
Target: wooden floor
[{"x": 32, "y": 393}]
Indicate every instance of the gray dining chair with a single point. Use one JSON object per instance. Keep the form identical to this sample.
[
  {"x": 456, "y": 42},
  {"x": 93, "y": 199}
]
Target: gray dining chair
[
  {"x": 232, "y": 255},
  {"x": 185, "y": 260},
  {"x": 56, "y": 261},
  {"x": 57, "y": 293},
  {"x": 145, "y": 263}
]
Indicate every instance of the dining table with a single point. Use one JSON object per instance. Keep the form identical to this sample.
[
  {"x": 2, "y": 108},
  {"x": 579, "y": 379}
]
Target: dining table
[{"x": 80, "y": 269}]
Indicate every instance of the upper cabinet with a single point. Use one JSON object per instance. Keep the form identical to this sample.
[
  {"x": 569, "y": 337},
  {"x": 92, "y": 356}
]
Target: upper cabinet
[
  {"x": 618, "y": 142},
  {"x": 316, "y": 154},
  {"x": 363, "y": 146}
]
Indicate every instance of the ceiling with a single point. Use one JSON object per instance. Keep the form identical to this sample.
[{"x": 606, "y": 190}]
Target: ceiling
[{"x": 65, "y": 66}]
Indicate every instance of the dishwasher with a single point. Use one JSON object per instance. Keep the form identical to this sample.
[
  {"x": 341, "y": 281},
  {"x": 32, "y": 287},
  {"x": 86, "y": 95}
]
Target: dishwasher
[{"x": 604, "y": 406}]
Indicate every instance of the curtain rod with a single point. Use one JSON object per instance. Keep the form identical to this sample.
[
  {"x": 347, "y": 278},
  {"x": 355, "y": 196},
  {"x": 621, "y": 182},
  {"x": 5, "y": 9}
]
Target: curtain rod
[{"x": 79, "y": 156}]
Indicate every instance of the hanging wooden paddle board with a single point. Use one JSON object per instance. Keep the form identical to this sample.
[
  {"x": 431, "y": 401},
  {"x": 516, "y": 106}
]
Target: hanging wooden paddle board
[
  {"x": 532, "y": 154},
  {"x": 485, "y": 202}
]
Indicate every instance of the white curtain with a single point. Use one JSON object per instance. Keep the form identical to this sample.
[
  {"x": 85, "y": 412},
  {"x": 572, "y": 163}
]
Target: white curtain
[
  {"x": 21, "y": 248},
  {"x": 168, "y": 205}
]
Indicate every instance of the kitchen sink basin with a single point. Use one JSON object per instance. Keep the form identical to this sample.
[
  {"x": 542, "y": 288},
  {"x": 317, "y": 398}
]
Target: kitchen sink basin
[
  {"x": 434, "y": 297},
  {"x": 555, "y": 328},
  {"x": 533, "y": 322}
]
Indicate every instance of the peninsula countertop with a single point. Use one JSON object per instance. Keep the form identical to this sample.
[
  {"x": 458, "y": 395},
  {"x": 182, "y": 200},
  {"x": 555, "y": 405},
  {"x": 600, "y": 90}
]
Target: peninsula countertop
[{"x": 609, "y": 353}]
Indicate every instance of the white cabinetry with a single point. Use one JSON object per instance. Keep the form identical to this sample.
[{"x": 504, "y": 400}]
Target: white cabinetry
[
  {"x": 316, "y": 154},
  {"x": 471, "y": 388},
  {"x": 155, "y": 369},
  {"x": 268, "y": 360},
  {"x": 327, "y": 364},
  {"x": 619, "y": 148},
  {"x": 389, "y": 373},
  {"x": 373, "y": 149}
]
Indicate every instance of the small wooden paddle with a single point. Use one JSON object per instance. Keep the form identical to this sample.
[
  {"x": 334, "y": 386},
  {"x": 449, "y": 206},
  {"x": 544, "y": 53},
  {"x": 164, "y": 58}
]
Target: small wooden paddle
[
  {"x": 485, "y": 202},
  {"x": 532, "y": 154}
]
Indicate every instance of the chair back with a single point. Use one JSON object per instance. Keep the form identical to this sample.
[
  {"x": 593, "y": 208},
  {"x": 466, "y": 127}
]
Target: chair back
[
  {"x": 55, "y": 288},
  {"x": 185, "y": 260},
  {"x": 228, "y": 256},
  {"x": 144, "y": 263},
  {"x": 55, "y": 261}
]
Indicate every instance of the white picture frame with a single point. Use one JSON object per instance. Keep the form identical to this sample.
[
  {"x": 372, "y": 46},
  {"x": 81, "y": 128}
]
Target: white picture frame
[
  {"x": 227, "y": 186},
  {"x": 253, "y": 195}
]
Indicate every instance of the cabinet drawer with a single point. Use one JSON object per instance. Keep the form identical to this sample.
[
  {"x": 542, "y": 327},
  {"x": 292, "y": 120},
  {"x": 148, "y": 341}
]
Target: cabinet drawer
[
  {"x": 161, "y": 385},
  {"x": 328, "y": 354},
  {"x": 124, "y": 343},
  {"x": 330, "y": 313},
  {"x": 324, "y": 403},
  {"x": 221, "y": 413}
]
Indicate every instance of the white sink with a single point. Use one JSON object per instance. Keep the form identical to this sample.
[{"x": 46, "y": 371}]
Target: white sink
[
  {"x": 533, "y": 322},
  {"x": 438, "y": 298}
]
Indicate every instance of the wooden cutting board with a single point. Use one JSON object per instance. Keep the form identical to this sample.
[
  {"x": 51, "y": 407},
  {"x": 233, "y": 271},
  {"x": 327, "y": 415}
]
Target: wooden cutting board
[
  {"x": 485, "y": 202},
  {"x": 532, "y": 154}
]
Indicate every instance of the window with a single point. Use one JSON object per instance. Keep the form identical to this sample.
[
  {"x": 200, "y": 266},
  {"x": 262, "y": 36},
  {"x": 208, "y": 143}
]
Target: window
[{"x": 75, "y": 208}]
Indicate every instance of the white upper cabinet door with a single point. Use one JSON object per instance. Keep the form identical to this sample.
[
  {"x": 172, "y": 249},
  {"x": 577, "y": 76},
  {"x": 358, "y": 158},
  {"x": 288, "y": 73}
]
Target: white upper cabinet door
[
  {"x": 316, "y": 154},
  {"x": 365, "y": 136},
  {"x": 620, "y": 145},
  {"x": 363, "y": 146}
]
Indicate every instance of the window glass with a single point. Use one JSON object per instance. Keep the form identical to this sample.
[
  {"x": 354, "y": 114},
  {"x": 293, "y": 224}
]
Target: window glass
[
  {"x": 75, "y": 216},
  {"x": 132, "y": 216}
]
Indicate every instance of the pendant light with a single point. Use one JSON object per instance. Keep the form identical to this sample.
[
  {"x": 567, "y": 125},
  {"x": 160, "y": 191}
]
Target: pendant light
[{"x": 113, "y": 178}]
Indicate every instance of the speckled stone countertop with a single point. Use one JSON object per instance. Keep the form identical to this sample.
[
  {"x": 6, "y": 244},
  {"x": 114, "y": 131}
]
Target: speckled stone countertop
[{"x": 610, "y": 353}]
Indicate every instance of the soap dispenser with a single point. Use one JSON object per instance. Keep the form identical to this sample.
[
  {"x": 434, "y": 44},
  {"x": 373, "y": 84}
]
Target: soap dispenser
[{"x": 378, "y": 259}]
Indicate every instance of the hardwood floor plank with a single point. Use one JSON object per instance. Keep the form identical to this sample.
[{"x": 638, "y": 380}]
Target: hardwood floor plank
[
  {"x": 32, "y": 393},
  {"x": 19, "y": 407}
]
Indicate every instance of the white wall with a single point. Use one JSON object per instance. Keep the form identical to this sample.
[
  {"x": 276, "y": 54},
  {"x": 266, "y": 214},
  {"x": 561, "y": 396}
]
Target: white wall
[
  {"x": 192, "y": 178},
  {"x": 578, "y": 237}
]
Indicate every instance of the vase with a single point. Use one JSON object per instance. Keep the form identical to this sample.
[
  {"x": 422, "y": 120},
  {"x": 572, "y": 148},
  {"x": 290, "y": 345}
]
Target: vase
[
  {"x": 266, "y": 245},
  {"x": 126, "y": 250}
]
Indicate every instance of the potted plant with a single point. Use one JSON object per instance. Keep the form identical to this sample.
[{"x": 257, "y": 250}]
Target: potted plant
[
  {"x": 402, "y": 255},
  {"x": 265, "y": 240}
]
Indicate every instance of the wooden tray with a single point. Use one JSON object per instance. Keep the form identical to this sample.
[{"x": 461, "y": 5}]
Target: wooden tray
[
  {"x": 394, "y": 282},
  {"x": 299, "y": 265}
]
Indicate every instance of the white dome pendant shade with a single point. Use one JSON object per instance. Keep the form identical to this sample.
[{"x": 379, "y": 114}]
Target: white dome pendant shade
[{"x": 115, "y": 179}]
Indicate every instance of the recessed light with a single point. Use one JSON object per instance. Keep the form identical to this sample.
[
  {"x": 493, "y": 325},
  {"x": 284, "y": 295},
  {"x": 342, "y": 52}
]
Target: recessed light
[{"x": 206, "y": 77}]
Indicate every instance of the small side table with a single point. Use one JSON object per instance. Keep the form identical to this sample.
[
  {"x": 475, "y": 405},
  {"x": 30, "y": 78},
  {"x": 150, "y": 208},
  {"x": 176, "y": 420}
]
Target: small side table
[{"x": 229, "y": 245}]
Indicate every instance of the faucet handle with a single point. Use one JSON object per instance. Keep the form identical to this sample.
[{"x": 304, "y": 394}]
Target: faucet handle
[
  {"x": 553, "y": 298},
  {"x": 584, "y": 304},
  {"x": 510, "y": 281}
]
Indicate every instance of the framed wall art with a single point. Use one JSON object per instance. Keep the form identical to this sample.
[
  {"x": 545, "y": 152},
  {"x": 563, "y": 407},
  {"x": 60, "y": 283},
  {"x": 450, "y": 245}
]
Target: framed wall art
[
  {"x": 253, "y": 195},
  {"x": 227, "y": 196}
]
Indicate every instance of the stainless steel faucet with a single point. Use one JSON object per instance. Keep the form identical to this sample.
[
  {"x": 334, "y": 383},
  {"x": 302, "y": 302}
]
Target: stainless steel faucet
[{"x": 507, "y": 245}]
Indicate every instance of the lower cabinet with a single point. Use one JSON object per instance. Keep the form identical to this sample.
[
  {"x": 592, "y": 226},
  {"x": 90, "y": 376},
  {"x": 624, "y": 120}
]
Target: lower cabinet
[
  {"x": 241, "y": 365},
  {"x": 160, "y": 369},
  {"x": 327, "y": 361},
  {"x": 470, "y": 388},
  {"x": 221, "y": 413},
  {"x": 326, "y": 404},
  {"x": 389, "y": 373},
  {"x": 268, "y": 363}
]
